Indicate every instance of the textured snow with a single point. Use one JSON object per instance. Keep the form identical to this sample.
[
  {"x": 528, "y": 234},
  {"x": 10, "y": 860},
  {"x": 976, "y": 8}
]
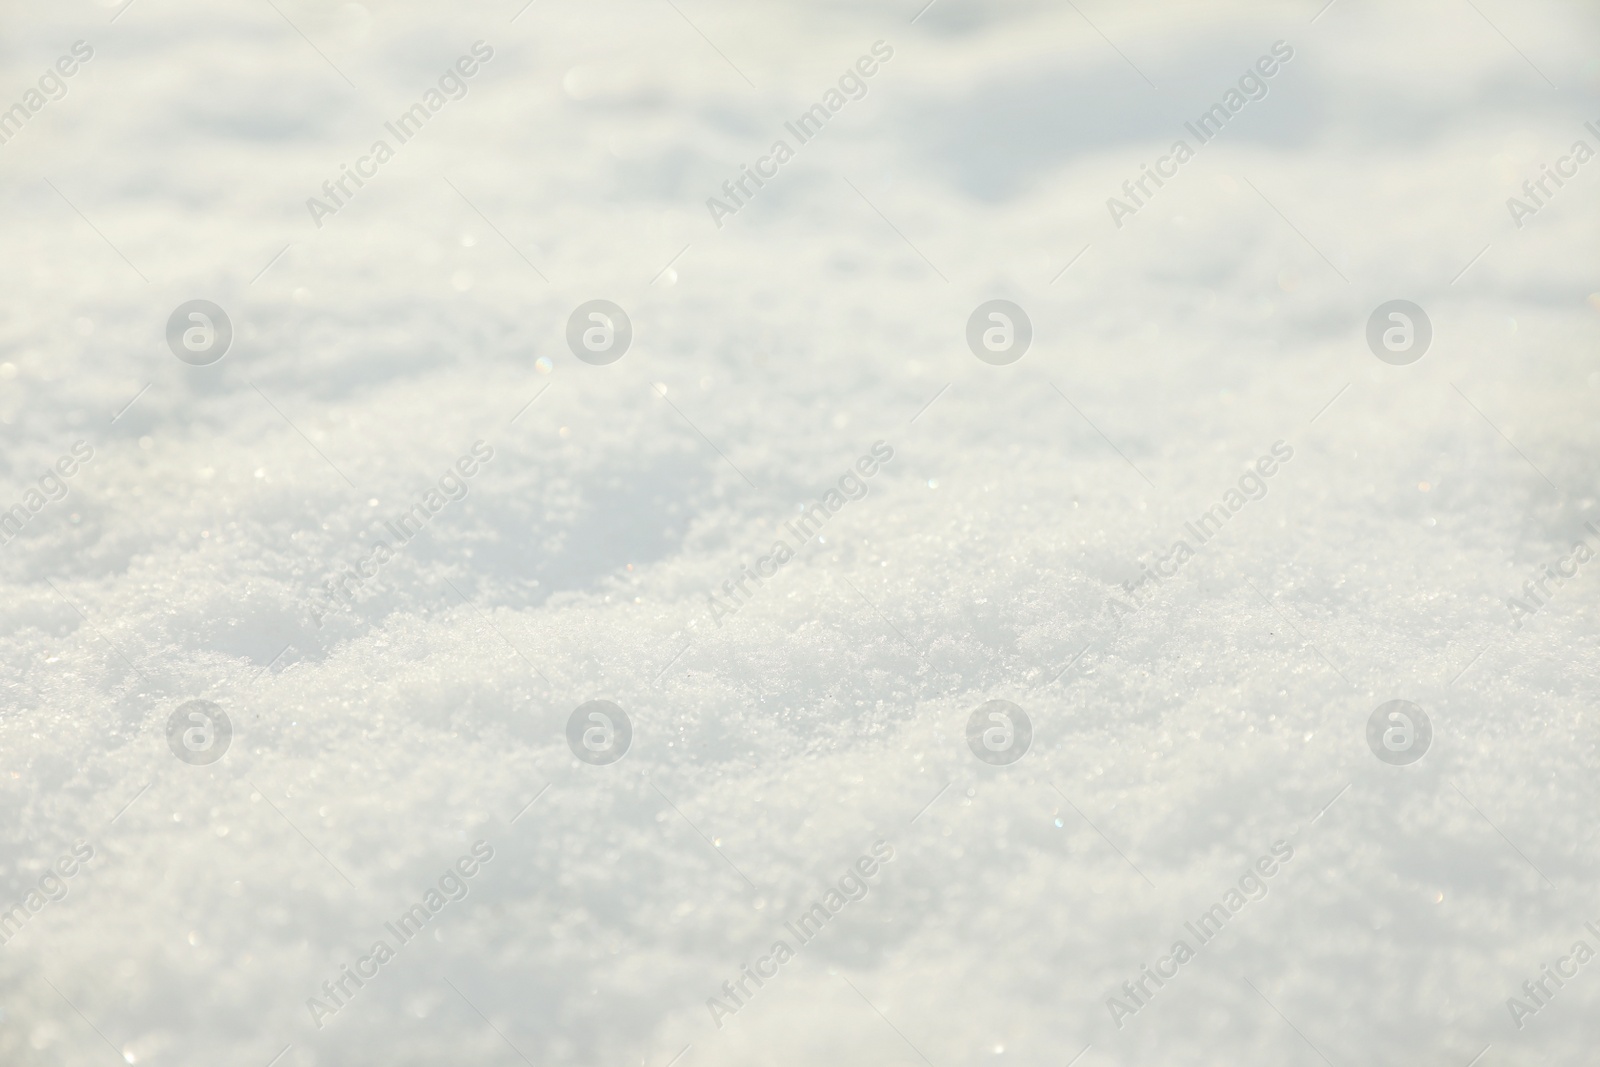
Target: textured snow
[{"x": 1173, "y": 745}]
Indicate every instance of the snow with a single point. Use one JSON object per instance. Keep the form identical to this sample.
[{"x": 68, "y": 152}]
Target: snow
[{"x": 1181, "y": 730}]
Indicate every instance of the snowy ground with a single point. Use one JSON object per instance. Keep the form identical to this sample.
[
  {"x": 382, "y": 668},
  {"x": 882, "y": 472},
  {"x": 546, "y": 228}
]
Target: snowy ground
[{"x": 1180, "y": 733}]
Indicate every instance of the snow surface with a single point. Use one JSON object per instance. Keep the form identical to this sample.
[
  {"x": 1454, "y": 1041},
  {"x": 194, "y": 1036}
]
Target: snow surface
[{"x": 1172, "y": 746}]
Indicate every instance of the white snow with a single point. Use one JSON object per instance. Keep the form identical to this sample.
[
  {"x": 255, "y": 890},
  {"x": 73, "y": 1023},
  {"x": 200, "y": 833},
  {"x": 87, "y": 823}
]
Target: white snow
[{"x": 1172, "y": 746}]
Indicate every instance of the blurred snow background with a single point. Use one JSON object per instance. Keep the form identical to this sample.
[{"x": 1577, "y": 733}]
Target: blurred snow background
[{"x": 1170, "y": 748}]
